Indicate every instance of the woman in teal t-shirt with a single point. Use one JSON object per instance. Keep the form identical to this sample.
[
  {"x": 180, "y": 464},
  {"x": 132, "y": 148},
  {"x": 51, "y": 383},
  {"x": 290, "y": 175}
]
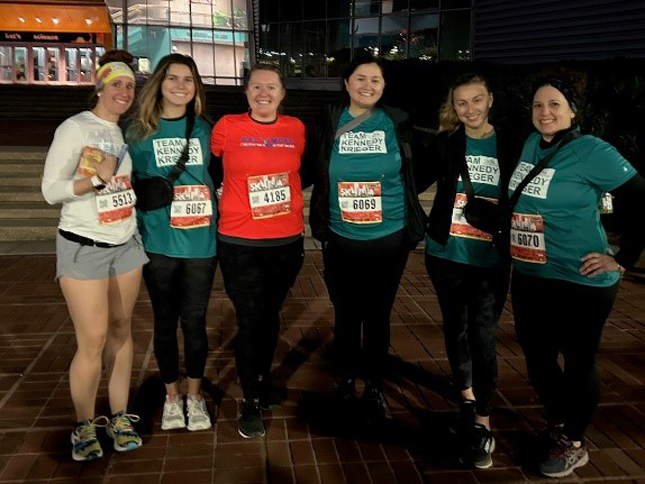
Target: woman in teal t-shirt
[
  {"x": 359, "y": 160},
  {"x": 179, "y": 238},
  {"x": 565, "y": 278},
  {"x": 469, "y": 274}
]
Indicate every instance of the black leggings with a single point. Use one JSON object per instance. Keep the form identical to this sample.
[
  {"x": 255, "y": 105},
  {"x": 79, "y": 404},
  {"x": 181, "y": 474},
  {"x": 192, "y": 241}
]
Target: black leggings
[
  {"x": 471, "y": 300},
  {"x": 553, "y": 317},
  {"x": 179, "y": 290},
  {"x": 362, "y": 279},
  {"x": 258, "y": 279}
]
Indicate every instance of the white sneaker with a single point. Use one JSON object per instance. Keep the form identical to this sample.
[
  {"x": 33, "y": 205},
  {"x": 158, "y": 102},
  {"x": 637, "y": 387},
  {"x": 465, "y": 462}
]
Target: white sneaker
[
  {"x": 173, "y": 415},
  {"x": 198, "y": 418}
]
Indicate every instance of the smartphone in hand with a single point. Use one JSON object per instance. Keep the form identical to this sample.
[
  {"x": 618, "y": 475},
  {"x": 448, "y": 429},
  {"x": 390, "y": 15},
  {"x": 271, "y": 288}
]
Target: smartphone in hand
[{"x": 119, "y": 158}]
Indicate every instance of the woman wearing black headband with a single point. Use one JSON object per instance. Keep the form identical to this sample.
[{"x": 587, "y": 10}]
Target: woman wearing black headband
[{"x": 565, "y": 276}]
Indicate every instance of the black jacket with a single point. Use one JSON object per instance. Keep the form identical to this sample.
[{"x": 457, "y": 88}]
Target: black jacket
[
  {"x": 316, "y": 170},
  {"x": 442, "y": 165}
]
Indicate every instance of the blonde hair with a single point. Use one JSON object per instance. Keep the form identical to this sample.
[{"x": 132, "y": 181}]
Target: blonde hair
[
  {"x": 150, "y": 100},
  {"x": 448, "y": 120}
]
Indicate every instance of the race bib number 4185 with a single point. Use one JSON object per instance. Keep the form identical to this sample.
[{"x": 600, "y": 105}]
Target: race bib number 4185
[{"x": 269, "y": 195}]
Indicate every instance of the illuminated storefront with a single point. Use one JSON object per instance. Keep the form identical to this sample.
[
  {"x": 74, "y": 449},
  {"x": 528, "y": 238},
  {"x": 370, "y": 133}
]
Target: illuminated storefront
[{"x": 52, "y": 44}]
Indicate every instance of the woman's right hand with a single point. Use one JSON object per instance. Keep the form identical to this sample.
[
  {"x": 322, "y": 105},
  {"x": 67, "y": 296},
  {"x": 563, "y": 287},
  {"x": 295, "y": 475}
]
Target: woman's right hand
[{"x": 105, "y": 169}]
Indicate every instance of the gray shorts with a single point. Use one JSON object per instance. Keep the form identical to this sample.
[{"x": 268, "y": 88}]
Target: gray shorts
[{"x": 87, "y": 262}]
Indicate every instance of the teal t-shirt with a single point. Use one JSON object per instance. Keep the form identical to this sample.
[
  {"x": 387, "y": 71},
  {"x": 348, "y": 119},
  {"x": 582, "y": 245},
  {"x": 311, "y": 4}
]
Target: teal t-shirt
[
  {"x": 366, "y": 195},
  {"x": 556, "y": 220},
  {"x": 465, "y": 243},
  {"x": 185, "y": 229}
]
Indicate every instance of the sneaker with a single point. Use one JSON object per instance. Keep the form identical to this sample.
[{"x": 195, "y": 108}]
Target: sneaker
[
  {"x": 480, "y": 449},
  {"x": 173, "y": 414},
  {"x": 85, "y": 444},
  {"x": 378, "y": 408},
  {"x": 198, "y": 418},
  {"x": 346, "y": 390},
  {"x": 563, "y": 458},
  {"x": 250, "y": 424},
  {"x": 121, "y": 431},
  {"x": 465, "y": 419}
]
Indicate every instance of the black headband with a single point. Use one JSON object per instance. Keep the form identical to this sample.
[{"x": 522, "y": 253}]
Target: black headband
[{"x": 565, "y": 88}]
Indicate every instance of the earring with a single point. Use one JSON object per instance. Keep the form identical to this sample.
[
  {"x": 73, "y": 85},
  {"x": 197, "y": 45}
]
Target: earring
[{"x": 98, "y": 94}]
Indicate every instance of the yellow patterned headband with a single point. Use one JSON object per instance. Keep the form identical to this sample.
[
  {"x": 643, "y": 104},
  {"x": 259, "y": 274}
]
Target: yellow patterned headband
[{"x": 110, "y": 71}]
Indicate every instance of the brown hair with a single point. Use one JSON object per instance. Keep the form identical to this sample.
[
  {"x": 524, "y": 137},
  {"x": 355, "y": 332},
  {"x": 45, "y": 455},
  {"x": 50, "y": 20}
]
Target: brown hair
[
  {"x": 448, "y": 120},
  {"x": 150, "y": 100}
]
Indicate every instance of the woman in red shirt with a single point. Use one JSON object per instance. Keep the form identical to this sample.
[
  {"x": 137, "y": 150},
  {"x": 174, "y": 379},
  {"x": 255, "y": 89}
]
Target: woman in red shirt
[{"x": 260, "y": 232}]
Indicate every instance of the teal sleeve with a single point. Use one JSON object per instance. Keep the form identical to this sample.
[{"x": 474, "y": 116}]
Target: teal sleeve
[{"x": 603, "y": 165}]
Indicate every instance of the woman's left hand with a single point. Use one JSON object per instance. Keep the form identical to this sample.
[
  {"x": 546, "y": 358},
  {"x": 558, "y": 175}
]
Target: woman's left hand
[{"x": 595, "y": 263}]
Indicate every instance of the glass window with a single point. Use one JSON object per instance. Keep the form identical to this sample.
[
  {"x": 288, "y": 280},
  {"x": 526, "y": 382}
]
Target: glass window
[
  {"x": 313, "y": 49},
  {"x": 39, "y": 63},
  {"x": 201, "y": 13},
  {"x": 179, "y": 12},
  {"x": 152, "y": 42},
  {"x": 366, "y": 34},
  {"x": 338, "y": 8},
  {"x": 455, "y": 36},
  {"x": 269, "y": 11},
  {"x": 338, "y": 47},
  {"x": 314, "y": 9},
  {"x": 445, "y": 4},
  {"x": 394, "y": 37},
  {"x": 158, "y": 11},
  {"x": 136, "y": 12},
  {"x": 269, "y": 45},
  {"x": 291, "y": 48},
  {"x": 365, "y": 8},
  {"x": 423, "y": 4},
  {"x": 203, "y": 52},
  {"x": 291, "y": 9},
  {"x": 20, "y": 58},
  {"x": 71, "y": 64},
  {"x": 115, "y": 7},
  {"x": 423, "y": 37},
  {"x": 240, "y": 15},
  {"x": 119, "y": 38},
  {"x": 85, "y": 70},
  {"x": 6, "y": 64}
]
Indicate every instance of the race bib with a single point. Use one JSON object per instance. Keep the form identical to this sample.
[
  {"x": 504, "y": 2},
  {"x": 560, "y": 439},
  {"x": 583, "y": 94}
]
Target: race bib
[
  {"x": 269, "y": 195},
  {"x": 460, "y": 226},
  {"x": 527, "y": 238},
  {"x": 115, "y": 202},
  {"x": 191, "y": 207},
  {"x": 360, "y": 202}
]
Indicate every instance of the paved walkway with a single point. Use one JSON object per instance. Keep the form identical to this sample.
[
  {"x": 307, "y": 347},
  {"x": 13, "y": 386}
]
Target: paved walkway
[{"x": 310, "y": 440}]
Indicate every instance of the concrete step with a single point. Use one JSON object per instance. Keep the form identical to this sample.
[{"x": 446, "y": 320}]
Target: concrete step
[
  {"x": 20, "y": 180},
  {"x": 21, "y": 194},
  {"x": 25, "y": 153},
  {"x": 28, "y": 229},
  {"x": 34, "y": 168},
  {"x": 26, "y": 210}
]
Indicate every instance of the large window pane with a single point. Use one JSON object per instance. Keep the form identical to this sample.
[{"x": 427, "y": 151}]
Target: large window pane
[
  {"x": 201, "y": 13},
  {"x": 365, "y": 8},
  {"x": 315, "y": 10},
  {"x": 313, "y": 49},
  {"x": 291, "y": 9},
  {"x": 455, "y": 3},
  {"x": 203, "y": 54},
  {"x": 338, "y": 47},
  {"x": 394, "y": 37},
  {"x": 338, "y": 8},
  {"x": 366, "y": 34},
  {"x": 423, "y": 37},
  {"x": 151, "y": 42},
  {"x": 269, "y": 45},
  {"x": 455, "y": 36},
  {"x": 158, "y": 11},
  {"x": 269, "y": 11},
  {"x": 240, "y": 15},
  {"x": 423, "y": 4},
  {"x": 291, "y": 48},
  {"x": 115, "y": 7}
]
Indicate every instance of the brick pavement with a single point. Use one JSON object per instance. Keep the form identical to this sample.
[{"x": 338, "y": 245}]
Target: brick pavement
[{"x": 310, "y": 440}]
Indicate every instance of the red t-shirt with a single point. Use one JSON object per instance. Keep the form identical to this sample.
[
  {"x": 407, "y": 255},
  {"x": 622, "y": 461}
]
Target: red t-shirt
[{"x": 261, "y": 192}]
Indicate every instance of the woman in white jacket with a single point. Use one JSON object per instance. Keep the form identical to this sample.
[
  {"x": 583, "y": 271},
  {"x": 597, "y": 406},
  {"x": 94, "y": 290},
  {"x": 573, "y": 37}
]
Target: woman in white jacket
[{"x": 98, "y": 255}]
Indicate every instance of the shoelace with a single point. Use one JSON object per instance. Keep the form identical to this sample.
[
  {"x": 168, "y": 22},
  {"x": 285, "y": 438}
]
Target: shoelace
[
  {"x": 88, "y": 430},
  {"x": 123, "y": 421},
  {"x": 562, "y": 448}
]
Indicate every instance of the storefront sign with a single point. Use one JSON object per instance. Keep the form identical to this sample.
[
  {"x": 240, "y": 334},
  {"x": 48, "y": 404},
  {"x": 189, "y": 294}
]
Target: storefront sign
[{"x": 57, "y": 37}]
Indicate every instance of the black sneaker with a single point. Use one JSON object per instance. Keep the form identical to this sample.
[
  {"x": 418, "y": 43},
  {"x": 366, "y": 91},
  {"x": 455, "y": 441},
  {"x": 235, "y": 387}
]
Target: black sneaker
[
  {"x": 563, "y": 458},
  {"x": 377, "y": 407},
  {"x": 346, "y": 390},
  {"x": 465, "y": 419},
  {"x": 480, "y": 449},
  {"x": 250, "y": 424}
]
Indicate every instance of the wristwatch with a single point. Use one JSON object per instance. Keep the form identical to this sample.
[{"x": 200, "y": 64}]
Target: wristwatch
[{"x": 97, "y": 183}]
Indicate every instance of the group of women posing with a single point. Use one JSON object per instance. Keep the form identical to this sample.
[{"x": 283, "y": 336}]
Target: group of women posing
[{"x": 366, "y": 171}]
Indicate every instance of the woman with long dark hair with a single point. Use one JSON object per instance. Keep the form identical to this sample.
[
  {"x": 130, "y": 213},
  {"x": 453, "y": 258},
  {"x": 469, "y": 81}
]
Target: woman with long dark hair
[{"x": 179, "y": 238}]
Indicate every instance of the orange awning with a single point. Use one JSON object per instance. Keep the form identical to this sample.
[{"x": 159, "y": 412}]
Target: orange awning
[{"x": 54, "y": 18}]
